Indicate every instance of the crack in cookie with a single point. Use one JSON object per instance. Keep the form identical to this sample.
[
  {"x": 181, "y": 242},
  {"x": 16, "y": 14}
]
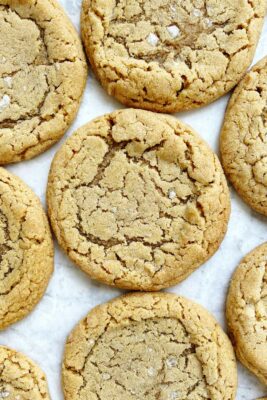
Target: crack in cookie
[
  {"x": 137, "y": 200},
  {"x": 152, "y": 346},
  {"x": 38, "y": 63},
  {"x": 167, "y": 55},
  {"x": 26, "y": 250}
]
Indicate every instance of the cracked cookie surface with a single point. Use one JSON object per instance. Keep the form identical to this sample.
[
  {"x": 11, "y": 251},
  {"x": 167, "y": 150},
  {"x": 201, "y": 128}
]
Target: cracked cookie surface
[
  {"x": 26, "y": 250},
  {"x": 149, "y": 346},
  {"x": 42, "y": 76},
  {"x": 247, "y": 311},
  {"x": 20, "y": 377},
  {"x": 168, "y": 55},
  {"x": 244, "y": 139},
  {"x": 137, "y": 200}
]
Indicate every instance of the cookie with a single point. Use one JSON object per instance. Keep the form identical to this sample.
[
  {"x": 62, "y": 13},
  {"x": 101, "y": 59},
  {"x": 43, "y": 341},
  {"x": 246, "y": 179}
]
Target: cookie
[
  {"x": 26, "y": 249},
  {"x": 149, "y": 346},
  {"x": 170, "y": 55},
  {"x": 42, "y": 77},
  {"x": 247, "y": 311},
  {"x": 21, "y": 378},
  {"x": 137, "y": 200},
  {"x": 244, "y": 140}
]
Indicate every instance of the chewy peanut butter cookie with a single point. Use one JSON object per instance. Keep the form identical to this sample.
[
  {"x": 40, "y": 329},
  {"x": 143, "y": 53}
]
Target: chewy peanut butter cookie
[
  {"x": 149, "y": 346},
  {"x": 170, "y": 55},
  {"x": 137, "y": 200},
  {"x": 244, "y": 138},
  {"x": 42, "y": 77},
  {"x": 26, "y": 250},
  {"x": 20, "y": 377},
  {"x": 247, "y": 311}
]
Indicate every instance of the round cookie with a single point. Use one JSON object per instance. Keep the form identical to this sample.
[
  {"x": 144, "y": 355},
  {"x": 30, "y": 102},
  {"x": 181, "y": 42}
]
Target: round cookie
[
  {"x": 137, "y": 200},
  {"x": 42, "y": 77},
  {"x": 244, "y": 140},
  {"x": 149, "y": 346},
  {"x": 168, "y": 55},
  {"x": 26, "y": 250},
  {"x": 247, "y": 311},
  {"x": 21, "y": 378}
]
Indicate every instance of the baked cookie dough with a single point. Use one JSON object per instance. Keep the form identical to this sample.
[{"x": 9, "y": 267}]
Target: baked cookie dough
[
  {"x": 42, "y": 77},
  {"x": 21, "y": 378},
  {"x": 137, "y": 200},
  {"x": 149, "y": 346},
  {"x": 170, "y": 55},
  {"x": 247, "y": 311},
  {"x": 244, "y": 139},
  {"x": 26, "y": 250}
]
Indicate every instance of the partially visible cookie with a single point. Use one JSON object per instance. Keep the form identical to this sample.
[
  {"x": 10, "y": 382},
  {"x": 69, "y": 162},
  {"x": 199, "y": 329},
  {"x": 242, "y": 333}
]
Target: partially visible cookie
[
  {"x": 42, "y": 77},
  {"x": 149, "y": 346},
  {"x": 168, "y": 55},
  {"x": 20, "y": 377},
  {"x": 26, "y": 250},
  {"x": 137, "y": 200},
  {"x": 247, "y": 311},
  {"x": 244, "y": 139}
]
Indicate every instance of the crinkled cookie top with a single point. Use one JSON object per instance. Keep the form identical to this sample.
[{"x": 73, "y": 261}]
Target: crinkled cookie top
[
  {"x": 149, "y": 346},
  {"x": 26, "y": 250},
  {"x": 21, "y": 378},
  {"x": 244, "y": 138},
  {"x": 42, "y": 76},
  {"x": 166, "y": 55},
  {"x": 137, "y": 200},
  {"x": 247, "y": 311}
]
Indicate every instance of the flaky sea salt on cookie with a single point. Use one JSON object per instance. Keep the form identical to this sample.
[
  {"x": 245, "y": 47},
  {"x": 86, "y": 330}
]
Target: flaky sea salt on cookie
[
  {"x": 149, "y": 346},
  {"x": 247, "y": 311},
  {"x": 42, "y": 76},
  {"x": 137, "y": 200},
  {"x": 168, "y": 55},
  {"x": 244, "y": 138},
  {"x": 21, "y": 378},
  {"x": 26, "y": 250}
]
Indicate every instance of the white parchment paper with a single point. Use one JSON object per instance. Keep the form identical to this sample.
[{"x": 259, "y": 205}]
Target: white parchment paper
[{"x": 71, "y": 294}]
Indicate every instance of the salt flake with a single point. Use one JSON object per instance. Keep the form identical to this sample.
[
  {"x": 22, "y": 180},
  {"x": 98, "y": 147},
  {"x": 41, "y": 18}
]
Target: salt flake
[{"x": 152, "y": 39}]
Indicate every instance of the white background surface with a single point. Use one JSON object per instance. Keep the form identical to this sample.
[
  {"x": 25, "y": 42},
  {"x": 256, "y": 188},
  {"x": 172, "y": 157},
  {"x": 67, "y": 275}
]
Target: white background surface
[{"x": 71, "y": 294}]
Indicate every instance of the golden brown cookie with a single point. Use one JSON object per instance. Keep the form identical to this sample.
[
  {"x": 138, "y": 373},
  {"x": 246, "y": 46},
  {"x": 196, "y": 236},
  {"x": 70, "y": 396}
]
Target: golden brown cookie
[
  {"x": 20, "y": 377},
  {"x": 170, "y": 55},
  {"x": 26, "y": 250},
  {"x": 149, "y": 346},
  {"x": 42, "y": 77},
  {"x": 247, "y": 311},
  {"x": 244, "y": 139},
  {"x": 137, "y": 200}
]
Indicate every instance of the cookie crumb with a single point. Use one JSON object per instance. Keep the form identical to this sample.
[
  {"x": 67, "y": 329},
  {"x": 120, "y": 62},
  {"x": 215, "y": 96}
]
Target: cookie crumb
[
  {"x": 8, "y": 81},
  {"x": 172, "y": 194},
  {"x": 4, "y": 103},
  {"x": 152, "y": 39},
  {"x": 174, "y": 31}
]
